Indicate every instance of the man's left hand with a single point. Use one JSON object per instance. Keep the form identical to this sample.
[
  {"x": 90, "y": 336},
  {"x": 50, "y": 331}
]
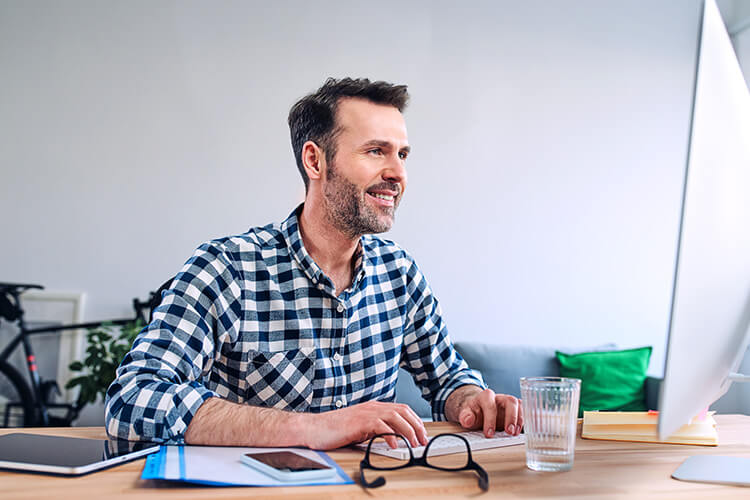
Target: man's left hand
[{"x": 474, "y": 408}]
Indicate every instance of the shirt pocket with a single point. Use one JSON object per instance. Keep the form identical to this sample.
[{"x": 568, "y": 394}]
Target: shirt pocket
[{"x": 282, "y": 380}]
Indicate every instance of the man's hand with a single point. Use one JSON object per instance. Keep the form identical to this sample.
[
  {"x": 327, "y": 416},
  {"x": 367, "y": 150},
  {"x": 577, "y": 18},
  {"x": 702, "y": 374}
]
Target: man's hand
[
  {"x": 474, "y": 408},
  {"x": 357, "y": 423}
]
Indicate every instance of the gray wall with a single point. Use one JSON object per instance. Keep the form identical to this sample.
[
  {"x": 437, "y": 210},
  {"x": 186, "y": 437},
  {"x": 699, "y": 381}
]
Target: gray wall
[
  {"x": 549, "y": 144},
  {"x": 736, "y": 15}
]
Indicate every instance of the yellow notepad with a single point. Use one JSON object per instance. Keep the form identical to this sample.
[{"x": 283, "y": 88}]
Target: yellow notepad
[{"x": 641, "y": 426}]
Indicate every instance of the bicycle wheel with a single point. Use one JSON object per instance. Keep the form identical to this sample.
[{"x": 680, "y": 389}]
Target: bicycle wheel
[{"x": 16, "y": 400}]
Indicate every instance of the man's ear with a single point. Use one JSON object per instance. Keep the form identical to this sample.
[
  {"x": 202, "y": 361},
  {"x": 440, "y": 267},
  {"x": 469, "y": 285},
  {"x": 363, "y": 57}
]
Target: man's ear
[{"x": 313, "y": 159}]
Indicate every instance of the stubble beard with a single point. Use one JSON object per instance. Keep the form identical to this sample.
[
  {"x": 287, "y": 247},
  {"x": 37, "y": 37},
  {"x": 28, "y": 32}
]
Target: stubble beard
[{"x": 349, "y": 212}]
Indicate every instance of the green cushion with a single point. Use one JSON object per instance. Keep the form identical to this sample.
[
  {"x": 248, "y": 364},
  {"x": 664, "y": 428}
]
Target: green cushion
[{"x": 610, "y": 380}]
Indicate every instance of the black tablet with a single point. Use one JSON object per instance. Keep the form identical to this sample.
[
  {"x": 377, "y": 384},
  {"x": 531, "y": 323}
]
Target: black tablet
[{"x": 66, "y": 455}]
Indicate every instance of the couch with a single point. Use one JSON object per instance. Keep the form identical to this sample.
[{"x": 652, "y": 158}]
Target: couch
[{"x": 501, "y": 366}]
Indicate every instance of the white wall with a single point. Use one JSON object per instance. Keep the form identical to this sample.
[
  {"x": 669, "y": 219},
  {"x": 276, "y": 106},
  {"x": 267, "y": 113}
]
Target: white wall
[{"x": 549, "y": 147}]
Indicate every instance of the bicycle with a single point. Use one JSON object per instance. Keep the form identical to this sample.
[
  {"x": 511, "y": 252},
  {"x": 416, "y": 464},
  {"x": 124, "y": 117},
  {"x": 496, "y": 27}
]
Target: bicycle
[{"x": 25, "y": 404}]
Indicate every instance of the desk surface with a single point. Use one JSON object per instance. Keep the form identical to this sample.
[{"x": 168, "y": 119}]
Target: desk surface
[{"x": 603, "y": 469}]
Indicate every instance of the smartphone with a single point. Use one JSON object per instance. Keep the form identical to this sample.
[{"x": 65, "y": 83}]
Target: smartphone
[{"x": 288, "y": 466}]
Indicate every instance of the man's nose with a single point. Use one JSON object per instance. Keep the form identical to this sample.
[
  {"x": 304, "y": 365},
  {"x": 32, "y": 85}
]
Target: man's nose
[{"x": 396, "y": 171}]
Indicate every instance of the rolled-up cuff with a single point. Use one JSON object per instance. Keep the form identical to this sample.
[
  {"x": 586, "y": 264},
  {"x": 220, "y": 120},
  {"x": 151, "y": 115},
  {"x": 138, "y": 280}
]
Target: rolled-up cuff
[{"x": 186, "y": 401}]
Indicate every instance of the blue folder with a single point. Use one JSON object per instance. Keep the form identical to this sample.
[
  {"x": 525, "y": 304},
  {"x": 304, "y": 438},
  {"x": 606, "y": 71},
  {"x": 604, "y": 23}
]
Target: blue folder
[{"x": 221, "y": 466}]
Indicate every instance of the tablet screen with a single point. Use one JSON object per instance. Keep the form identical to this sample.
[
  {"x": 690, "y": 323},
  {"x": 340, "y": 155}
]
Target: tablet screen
[{"x": 66, "y": 454}]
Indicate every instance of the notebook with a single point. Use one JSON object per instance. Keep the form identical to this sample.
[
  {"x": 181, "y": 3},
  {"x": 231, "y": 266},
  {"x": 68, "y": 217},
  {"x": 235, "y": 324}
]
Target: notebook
[{"x": 642, "y": 426}]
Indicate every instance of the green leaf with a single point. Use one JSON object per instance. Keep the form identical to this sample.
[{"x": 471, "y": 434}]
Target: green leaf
[
  {"x": 76, "y": 381},
  {"x": 106, "y": 347}
]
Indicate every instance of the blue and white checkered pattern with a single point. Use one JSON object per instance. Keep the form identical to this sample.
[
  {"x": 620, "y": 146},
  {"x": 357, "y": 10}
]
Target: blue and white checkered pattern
[{"x": 253, "y": 319}]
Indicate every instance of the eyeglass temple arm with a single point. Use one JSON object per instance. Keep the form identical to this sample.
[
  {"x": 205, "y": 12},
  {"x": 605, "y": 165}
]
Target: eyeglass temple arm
[
  {"x": 483, "y": 479},
  {"x": 377, "y": 483}
]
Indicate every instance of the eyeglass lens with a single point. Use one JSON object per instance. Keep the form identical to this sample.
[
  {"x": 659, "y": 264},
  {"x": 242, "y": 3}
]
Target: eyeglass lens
[
  {"x": 436, "y": 455},
  {"x": 383, "y": 462}
]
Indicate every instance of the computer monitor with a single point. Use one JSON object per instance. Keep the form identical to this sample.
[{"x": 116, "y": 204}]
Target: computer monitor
[{"x": 708, "y": 328}]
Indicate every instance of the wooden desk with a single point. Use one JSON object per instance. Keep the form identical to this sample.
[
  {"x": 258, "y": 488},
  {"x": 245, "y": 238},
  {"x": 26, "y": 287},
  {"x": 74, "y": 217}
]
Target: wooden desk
[{"x": 602, "y": 470}]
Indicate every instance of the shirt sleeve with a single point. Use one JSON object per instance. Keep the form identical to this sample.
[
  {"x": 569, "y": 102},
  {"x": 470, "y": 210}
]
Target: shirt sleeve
[
  {"x": 428, "y": 353},
  {"x": 159, "y": 387}
]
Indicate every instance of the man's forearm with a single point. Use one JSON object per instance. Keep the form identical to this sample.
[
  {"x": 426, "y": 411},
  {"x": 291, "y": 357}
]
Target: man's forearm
[
  {"x": 220, "y": 422},
  {"x": 456, "y": 400}
]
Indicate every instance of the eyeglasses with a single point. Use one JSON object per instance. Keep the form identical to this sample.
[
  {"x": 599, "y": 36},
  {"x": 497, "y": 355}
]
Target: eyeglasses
[{"x": 428, "y": 459}]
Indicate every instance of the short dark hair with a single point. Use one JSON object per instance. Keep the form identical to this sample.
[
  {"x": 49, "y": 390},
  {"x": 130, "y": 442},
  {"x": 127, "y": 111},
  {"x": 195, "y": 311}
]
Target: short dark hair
[{"x": 313, "y": 118}]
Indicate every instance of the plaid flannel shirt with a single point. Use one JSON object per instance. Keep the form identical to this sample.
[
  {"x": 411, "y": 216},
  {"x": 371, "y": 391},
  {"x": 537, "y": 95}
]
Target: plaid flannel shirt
[{"x": 253, "y": 319}]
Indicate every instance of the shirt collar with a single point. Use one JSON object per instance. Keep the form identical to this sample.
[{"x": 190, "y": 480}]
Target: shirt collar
[
  {"x": 359, "y": 263},
  {"x": 290, "y": 230}
]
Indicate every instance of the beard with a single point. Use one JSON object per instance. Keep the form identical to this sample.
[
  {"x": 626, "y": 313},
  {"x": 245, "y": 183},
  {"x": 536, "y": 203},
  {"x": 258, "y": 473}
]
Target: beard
[{"x": 348, "y": 210}]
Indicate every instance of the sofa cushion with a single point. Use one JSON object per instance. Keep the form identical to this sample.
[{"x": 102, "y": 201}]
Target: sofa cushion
[
  {"x": 408, "y": 393},
  {"x": 501, "y": 366},
  {"x": 610, "y": 380}
]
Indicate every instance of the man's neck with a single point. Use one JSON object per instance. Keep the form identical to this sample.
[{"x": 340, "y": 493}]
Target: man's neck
[{"x": 331, "y": 249}]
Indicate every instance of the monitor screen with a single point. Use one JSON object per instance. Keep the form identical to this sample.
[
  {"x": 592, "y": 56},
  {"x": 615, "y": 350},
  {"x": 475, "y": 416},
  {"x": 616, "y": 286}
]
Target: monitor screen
[{"x": 708, "y": 332}]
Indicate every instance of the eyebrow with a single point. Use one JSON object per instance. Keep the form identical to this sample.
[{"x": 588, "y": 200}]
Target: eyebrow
[{"x": 384, "y": 144}]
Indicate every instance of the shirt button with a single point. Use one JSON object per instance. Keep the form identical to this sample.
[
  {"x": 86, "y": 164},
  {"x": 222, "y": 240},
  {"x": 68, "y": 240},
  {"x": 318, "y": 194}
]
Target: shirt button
[
  {"x": 337, "y": 357},
  {"x": 339, "y": 403},
  {"x": 340, "y": 308}
]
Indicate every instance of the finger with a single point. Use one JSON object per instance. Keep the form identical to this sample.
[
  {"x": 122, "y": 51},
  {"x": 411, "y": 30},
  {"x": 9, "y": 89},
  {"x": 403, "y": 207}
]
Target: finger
[
  {"x": 416, "y": 423},
  {"x": 383, "y": 428},
  {"x": 471, "y": 415},
  {"x": 508, "y": 418},
  {"x": 401, "y": 425},
  {"x": 467, "y": 417},
  {"x": 486, "y": 400},
  {"x": 520, "y": 416}
]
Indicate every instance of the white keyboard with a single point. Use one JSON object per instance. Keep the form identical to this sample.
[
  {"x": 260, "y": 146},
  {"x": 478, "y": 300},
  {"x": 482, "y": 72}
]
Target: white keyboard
[{"x": 448, "y": 445}]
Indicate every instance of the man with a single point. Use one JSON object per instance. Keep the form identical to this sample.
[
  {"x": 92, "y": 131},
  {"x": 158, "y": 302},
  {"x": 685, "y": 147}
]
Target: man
[{"x": 292, "y": 334}]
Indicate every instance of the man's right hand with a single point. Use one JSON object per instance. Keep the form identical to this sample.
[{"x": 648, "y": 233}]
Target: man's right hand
[{"x": 337, "y": 428}]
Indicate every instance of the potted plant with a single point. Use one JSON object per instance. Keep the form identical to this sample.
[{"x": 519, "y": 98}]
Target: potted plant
[{"x": 107, "y": 346}]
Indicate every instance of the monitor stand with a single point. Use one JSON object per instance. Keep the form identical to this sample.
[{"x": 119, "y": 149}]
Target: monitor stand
[{"x": 715, "y": 469}]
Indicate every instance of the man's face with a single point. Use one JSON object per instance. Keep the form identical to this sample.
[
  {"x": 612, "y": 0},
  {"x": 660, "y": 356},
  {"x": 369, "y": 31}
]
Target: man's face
[{"x": 367, "y": 177}]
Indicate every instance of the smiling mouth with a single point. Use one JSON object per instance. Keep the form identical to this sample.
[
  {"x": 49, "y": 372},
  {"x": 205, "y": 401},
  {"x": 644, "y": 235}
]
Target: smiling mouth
[{"x": 385, "y": 200}]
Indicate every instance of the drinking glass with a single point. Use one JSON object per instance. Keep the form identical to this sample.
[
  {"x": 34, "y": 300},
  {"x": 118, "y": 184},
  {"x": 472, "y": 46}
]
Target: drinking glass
[{"x": 550, "y": 413}]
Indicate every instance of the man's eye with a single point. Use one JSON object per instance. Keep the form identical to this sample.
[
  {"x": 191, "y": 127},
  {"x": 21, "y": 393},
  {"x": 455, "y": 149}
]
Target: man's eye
[
  {"x": 375, "y": 151},
  {"x": 403, "y": 155}
]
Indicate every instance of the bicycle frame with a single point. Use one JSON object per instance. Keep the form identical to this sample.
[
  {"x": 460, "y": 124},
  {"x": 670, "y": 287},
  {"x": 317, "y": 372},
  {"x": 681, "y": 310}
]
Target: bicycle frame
[{"x": 22, "y": 338}]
